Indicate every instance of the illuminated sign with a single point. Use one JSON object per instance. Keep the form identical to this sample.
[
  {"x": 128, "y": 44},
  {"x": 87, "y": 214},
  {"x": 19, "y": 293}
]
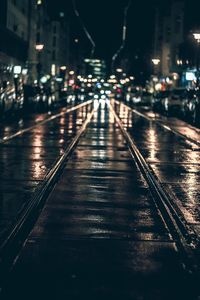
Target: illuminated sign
[
  {"x": 17, "y": 69},
  {"x": 190, "y": 76}
]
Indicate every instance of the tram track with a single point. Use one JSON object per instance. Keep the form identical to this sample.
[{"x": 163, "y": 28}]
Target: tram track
[
  {"x": 107, "y": 215},
  {"x": 190, "y": 235},
  {"x": 184, "y": 236},
  {"x": 39, "y": 123},
  {"x": 25, "y": 219},
  {"x": 166, "y": 127}
]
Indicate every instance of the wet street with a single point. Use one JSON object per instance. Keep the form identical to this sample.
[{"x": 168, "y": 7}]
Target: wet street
[
  {"x": 29, "y": 147},
  {"x": 172, "y": 150},
  {"x": 99, "y": 150},
  {"x": 118, "y": 214}
]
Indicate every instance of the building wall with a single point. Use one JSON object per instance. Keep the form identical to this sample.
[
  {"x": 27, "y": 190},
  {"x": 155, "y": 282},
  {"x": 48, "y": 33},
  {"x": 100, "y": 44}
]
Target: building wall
[
  {"x": 17, "y": 17},
  {"x": 32, "y": 54},
  {"x": 169, "y": 35},
  {"x": 3, "y": 13},
  {"x": 166, "y": 47},
  {"x": 58, "y": 44},
  {"x": 23, "y": 25},
  {"x": 43, "y": 37},
  {"x": 18, "y": 33},
  {"x": 177, "y": 32}
]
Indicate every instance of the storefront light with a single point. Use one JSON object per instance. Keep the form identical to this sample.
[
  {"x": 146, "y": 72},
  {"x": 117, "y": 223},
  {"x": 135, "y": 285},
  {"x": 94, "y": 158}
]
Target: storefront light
[
  {"x": 24, "y": 71},
  {"x": 190, "y": 76},
  {"x": 53, "y": 69},
  {"x": 17, "y": 70}
]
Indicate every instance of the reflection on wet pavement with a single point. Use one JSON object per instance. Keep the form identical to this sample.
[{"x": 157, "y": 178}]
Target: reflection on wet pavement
[
  {"x": 25, "y": 160},
  {"x": 100, "y": 235},
  {"x": 174, "y": 160}
]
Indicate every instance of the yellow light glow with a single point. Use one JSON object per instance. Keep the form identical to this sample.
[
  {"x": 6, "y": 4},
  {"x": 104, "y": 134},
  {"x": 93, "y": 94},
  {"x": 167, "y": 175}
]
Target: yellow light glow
[
  {"x": 39, "y": 47},
  {"x": 197, "y": 36},
  {"x": 63, "y": 68},
  {"x": 155, "y": 61}
]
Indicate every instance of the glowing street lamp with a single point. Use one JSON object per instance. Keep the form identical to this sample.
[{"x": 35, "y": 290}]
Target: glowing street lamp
[
  {"x": 39, "y": 47},
  {"x": 63, "y": 68},
  {"x": 155, "y": 61}
]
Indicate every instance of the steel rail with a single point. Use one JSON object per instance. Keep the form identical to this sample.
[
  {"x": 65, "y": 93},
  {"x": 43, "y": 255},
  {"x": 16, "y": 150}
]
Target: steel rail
[
  {"x": 22, "y": 131},
  {"x": 12, "y": 244},
  {"x": 184, "y": 237},
  {"x": 185, "y": 137}
]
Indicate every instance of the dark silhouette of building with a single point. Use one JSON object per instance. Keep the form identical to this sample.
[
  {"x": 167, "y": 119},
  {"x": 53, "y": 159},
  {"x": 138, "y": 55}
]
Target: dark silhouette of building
[{"x": 169, "y": 35}]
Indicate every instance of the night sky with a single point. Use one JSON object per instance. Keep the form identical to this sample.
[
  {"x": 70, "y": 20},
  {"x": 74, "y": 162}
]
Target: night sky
[{"x": 104, "y": 19}]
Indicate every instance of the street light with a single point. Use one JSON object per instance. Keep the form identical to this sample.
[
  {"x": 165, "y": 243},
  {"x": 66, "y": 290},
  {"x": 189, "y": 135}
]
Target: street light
[
  {"x": 119, "y": 70},
  {"x": 39, "y": 47},
  {"x": 155, "y": 61},
  {"x": 196, "y": 36},
  {"x": 63, "y": 68}
]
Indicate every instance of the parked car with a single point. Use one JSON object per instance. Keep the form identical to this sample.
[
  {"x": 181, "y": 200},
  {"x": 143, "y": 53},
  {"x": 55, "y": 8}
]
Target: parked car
[
  {"x": 188, "y": 103},
  {"x": 7, "y": 96},
  {"x": 174, "y": 102},
  {"x": 134, "y": 95},
  {"x": 191, "y": 106},
  {"x": 11, "y": 92}
]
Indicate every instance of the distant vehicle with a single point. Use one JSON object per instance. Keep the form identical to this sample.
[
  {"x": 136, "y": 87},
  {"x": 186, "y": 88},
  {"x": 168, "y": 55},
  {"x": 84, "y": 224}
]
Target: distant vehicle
[
  {"x": 118, "y": 91},
  {"x": 7, "y": 96},
  {"x": 170, "y": 101},
  {"x": 174, "y": 102},
  {"x": 134, "y": 95},
  {"x": 191, "y": 106},
  {"x": 188, "y": 104}
]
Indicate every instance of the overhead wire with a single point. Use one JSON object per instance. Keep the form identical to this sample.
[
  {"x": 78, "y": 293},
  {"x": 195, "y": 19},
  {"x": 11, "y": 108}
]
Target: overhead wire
[
  {"x": 124, "y": 36},
  {"x": 76, "y": 12}
]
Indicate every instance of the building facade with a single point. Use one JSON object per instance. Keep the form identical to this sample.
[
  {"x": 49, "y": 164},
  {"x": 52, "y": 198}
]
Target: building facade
[
  {"x": 95, "y": 67},
  {"x": 17, "y": 33},
  {"x": 59, "y": 42},
  {"x": 169, "y": 35},
  {"x": 52, "y": 37},
  {"x": 13, "y": 31},
  {"x": 31, "y": 39}
]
